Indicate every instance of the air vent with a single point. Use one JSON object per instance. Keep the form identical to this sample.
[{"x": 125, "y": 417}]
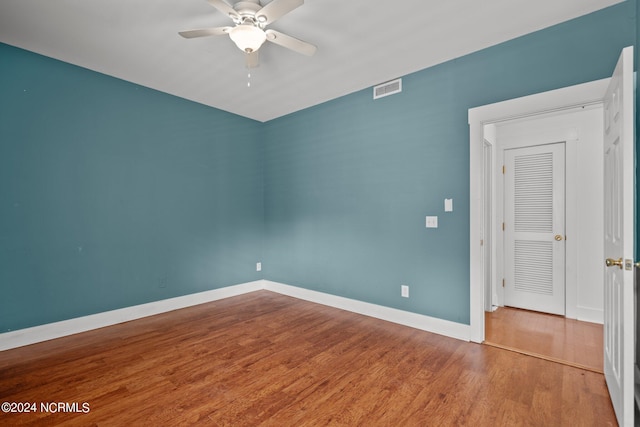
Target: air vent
[{"x": 388, "y": 88}]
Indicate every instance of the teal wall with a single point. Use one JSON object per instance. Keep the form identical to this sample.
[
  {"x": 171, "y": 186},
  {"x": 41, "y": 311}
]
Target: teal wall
[
  {"x": 348, "y": 183},
  {"x": 113, "y": 195}
]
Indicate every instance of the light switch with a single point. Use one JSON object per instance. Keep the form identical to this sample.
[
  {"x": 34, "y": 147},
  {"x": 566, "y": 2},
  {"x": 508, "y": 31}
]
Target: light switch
[
  {"x": 448, "y": 205},
  {"x": 432, "y": 222}
]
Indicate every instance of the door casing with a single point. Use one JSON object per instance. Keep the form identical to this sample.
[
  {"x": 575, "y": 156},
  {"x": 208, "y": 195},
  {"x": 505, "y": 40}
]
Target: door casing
[{"x": 480, "y": 118}]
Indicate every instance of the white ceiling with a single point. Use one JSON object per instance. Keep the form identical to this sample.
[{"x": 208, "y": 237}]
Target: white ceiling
[{"x": 361, "y": 43}]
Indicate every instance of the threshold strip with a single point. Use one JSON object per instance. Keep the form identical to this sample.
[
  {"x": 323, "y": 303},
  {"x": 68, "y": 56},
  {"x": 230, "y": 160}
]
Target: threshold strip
[{"x": 544, "y": 357}]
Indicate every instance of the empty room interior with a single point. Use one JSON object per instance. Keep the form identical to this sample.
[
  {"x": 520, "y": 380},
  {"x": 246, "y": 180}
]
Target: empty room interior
[{"x": 193, "y": 234}]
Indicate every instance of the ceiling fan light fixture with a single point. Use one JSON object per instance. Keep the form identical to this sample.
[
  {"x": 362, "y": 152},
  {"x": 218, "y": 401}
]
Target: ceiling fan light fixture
[{"x": 247, "y": 37}]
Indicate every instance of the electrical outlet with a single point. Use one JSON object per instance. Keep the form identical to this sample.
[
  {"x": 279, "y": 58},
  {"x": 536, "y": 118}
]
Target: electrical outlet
[
  {"x": 258, "y": 266},
  {"x": 404, "y": 291}
]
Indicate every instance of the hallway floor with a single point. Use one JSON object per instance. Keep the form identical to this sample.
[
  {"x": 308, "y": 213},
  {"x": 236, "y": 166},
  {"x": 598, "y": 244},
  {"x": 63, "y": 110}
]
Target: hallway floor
[{"x": 547, "y": 336}]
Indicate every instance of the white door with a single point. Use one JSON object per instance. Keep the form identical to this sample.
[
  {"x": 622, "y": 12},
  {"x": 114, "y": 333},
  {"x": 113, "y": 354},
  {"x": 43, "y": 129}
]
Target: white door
[
  {"x": 534, "y": 228},
  {"x": 619, "y": 154}
]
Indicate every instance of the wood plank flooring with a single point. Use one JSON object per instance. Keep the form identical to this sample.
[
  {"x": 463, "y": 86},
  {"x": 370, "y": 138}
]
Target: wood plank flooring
[
  {"x": 267, "y": 359},
  {"x": 552, "y": 337}
]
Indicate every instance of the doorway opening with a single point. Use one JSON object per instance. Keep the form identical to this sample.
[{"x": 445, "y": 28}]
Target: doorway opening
[
  {"x": 547, "y": 240},
  {"x": 486, "y": 250}
]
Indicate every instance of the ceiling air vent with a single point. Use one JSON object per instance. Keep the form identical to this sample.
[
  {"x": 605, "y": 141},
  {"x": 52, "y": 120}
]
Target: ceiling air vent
[{"x": 388, "y": 88}]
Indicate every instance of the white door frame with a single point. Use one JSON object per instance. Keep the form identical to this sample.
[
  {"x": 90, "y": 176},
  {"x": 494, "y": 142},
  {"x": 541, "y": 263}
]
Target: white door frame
[
  {"x": 556, "y": 100},
  {"x": 488, "y": 223}
]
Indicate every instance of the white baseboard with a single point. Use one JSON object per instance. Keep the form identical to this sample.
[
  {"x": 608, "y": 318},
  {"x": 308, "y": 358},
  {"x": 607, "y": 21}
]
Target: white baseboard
[
  {"x": 406, "y": 318},
  {"x": 54, "y": 330},
  {"x": 593, "y": 315},
  {"x": 22, "y": 337}
]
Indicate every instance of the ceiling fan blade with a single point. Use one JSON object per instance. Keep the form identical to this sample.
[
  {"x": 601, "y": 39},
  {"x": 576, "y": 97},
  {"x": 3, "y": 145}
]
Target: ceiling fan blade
[
  {"x": 290, "y": 42},
  {"x": 218, "y": 31},
  {"x": 252, "y": 59},
  {"x": 225, "y": 8},
  {"x": 276, "y": 9}
]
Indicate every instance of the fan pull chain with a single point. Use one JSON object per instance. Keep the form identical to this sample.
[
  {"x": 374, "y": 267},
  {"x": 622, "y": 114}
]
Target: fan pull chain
[{"x": 249, "y": 79}]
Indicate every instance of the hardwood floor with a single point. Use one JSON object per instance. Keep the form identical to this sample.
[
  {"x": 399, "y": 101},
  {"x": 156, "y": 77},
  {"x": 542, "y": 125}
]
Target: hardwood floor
[
  {"x": 267, "y": 359},
  {"x": 548, "y": 336}
]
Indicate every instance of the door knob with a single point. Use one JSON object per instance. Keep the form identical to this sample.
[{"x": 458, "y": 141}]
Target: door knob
[
  {"x": 558, "y": 237},
  {"x": 610, "y": 262}
]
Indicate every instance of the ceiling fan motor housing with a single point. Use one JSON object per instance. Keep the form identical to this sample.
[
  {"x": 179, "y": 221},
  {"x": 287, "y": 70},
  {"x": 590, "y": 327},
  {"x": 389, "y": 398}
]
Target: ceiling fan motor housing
[{"x": 247, "y": 11}]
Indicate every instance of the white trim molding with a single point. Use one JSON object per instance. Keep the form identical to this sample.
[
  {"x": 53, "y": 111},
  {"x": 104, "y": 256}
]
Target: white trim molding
[
  {"x": 63, "y": 328},
  {"x": 406, "y": 318},
  {"x": 556, "y": 100},
  {"x": 27, "y": 336}
]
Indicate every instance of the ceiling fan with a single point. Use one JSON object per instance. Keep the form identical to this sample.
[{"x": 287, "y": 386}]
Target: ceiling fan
[{"x": 248, "y": 33}]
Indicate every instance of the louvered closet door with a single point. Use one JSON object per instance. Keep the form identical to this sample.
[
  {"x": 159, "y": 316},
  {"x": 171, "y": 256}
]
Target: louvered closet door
[{"x": 534, "y": 245}]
